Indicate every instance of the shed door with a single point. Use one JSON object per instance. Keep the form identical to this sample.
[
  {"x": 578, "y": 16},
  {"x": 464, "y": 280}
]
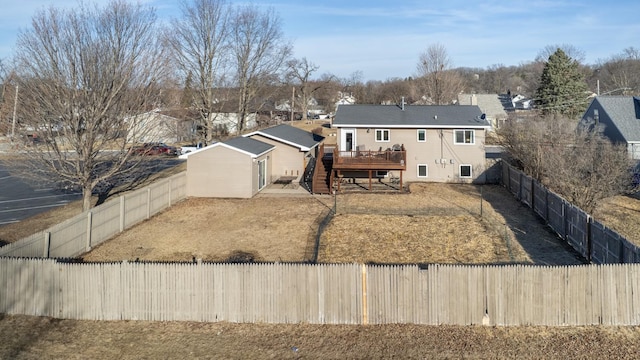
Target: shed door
[{"x": 262, "y": 174}]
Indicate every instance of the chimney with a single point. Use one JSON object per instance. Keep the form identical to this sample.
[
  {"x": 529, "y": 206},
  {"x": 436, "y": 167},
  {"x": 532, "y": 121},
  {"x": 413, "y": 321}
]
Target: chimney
[{"x": 474, "y": 99}]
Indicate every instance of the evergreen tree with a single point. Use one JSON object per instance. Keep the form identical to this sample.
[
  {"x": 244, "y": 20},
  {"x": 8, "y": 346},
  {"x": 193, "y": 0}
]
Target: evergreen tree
[{"x": 562, "y": 86}]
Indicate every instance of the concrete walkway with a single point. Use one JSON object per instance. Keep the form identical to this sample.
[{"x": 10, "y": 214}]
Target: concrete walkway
[{"x": 277, "y": 190}]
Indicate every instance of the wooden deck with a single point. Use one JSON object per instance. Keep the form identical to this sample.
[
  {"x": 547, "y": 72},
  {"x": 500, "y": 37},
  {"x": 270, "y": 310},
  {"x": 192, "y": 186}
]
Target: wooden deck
[
  {"x": 367, "y": 161},
  {"x": 370, "y": 160}
]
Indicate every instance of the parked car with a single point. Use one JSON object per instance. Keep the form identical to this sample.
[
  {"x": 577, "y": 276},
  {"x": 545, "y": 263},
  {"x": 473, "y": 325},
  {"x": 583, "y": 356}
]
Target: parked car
[
  {"x": 185, "y": 149},
  {"x": 154, "y": 149}
]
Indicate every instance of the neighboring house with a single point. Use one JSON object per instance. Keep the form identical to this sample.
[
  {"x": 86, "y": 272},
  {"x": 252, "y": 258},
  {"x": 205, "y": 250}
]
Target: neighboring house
[
  {"x": 153, "y": 126},
  {"x": 237, "y": 168},
  {"x": 294, "y": 148},
  {"x": 228, "y": 121},
  {"x": 489, "y": 104},
  {"x": 618, "y": 118},
  {"x": 345, "y": 99},
  {"x": 520, "y": 102},
  {"x": 413, "y": 142},
  {"x": 243, "y": 166}
]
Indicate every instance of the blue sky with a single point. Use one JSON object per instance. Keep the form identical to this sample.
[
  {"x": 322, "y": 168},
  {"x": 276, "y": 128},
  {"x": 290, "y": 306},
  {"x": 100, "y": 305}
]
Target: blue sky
[{"x": 383, "y": 39}]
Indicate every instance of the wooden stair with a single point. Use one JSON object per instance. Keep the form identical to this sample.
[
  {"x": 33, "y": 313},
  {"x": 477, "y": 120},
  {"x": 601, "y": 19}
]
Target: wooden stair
[{"x": 322, "y": 172}]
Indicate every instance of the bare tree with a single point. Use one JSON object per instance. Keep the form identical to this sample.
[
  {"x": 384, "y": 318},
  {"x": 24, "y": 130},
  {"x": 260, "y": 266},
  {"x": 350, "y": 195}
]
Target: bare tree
[
  {"x": 619, "y": 74},
  {"x": 199, "y": 44},
  {"x": 5, "y": 93},
  {"x": 299, "y": 72},
  {"x": 590, "y": 170},
  {"x": 84, "y": 75},
  {"x": 580, "y": 165},
  {"x": 570, "y": 50},
  {"x": 259, "y": 52},
  {"x": 439, "y": 83}
]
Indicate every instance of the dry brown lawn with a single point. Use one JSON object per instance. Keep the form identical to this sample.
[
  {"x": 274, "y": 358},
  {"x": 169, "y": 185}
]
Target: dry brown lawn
[
  {"x": 434, "y": 223},
  {"x": 622, "y": 214},
  {"x": 270, "y": 229},
  {"x": 42, "y": 338}
]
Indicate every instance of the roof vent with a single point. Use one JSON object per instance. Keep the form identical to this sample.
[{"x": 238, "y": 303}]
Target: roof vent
[
  {"x": 435, "y": 117},
  {"x": 402, "y": 104}
]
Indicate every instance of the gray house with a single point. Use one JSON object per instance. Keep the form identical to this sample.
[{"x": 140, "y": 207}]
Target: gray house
[
  {"x": 414, "y": 142},
  {"x": 618, "y": 118}
]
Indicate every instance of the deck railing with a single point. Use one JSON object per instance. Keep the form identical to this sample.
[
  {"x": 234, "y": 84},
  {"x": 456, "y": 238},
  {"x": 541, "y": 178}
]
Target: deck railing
[{"x": 370, "y": 159}]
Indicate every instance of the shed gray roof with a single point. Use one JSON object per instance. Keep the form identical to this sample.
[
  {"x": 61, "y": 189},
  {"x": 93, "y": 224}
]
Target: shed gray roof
[
  {"x": 624, "y": 112},
  {"x": 290, "y": 135},
  {"x": 250, "y": 146},
  {"x": 413, "y": 116}
]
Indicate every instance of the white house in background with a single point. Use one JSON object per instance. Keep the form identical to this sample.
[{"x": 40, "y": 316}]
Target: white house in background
[
  {"x": 229, "y": 121},
  {"x": 345, "y": 99},
  {"x": 520, "y": 102},
  {"x": 153, "y": 126}
]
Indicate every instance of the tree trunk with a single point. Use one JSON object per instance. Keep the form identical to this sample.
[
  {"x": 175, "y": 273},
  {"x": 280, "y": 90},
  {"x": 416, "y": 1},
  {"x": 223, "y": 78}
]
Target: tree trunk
[{"x": 86, "y": 197}]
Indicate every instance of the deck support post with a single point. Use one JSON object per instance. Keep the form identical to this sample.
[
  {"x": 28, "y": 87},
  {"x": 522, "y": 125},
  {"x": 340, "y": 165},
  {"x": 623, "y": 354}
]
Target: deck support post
[{"x": 370, "y": 180}]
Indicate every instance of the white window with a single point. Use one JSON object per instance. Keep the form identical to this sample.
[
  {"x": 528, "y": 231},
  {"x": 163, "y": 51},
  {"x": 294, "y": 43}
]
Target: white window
[
  {"x": 422, "y": 135},
  {"x": 423, "y": 170},
  {"x": 465, "y": 171},
  {"x": 464, "y": 137},
  {"x": 382, "y": 135}
]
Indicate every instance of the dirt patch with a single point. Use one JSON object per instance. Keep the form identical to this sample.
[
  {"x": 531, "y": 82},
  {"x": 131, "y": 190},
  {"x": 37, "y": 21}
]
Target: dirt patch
[{"x": 34, "y": 337}]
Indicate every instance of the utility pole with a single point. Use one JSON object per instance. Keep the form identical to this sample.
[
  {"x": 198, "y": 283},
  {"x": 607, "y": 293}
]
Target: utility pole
[{"x": 293, "y": 98}]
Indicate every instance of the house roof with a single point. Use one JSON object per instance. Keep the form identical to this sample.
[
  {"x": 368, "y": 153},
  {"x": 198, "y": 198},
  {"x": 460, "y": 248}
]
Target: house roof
[
  {"x": 413, "y": 116},
  {"x": 249, "y": 146},
  {"x": 290, "y": 135},
  {"x": 490, "y": 104},
  {"x": 624, "y": 112}
]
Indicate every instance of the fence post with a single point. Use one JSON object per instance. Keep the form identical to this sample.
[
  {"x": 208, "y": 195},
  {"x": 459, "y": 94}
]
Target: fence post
[
  {"x": 520, "y": 180},
  {"x": 589, "y": 246},
  {"x": 47, "y": 244},
  {"x": 533, "y": 194},
  {"x": 565, "y": 221},
  {"x": 122, "y": 213},
  {"x": 546, "y": 204},
  {"x": 89, "y": 223}
]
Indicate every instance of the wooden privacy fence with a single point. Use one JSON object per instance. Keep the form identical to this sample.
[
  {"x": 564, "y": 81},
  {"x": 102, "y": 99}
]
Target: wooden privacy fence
[
  {"x": 593, "y": 240},
  {"x": 323, "y": 294},
  {"x": 80, "y": 233}
]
